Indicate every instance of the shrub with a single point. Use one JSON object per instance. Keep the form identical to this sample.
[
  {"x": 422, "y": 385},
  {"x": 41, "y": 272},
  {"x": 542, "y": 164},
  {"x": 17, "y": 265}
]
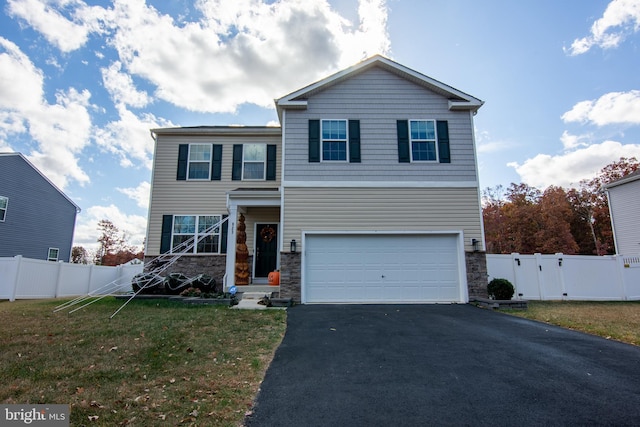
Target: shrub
[{"x": 500, "y": 289}]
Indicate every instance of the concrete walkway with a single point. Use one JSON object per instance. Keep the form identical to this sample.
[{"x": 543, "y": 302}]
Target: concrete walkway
[{"x": 423, "y": 365}]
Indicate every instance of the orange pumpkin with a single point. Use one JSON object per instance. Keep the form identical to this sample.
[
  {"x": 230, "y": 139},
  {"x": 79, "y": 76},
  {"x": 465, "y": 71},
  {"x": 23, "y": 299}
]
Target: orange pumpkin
[{"x": 274, "y": 278}]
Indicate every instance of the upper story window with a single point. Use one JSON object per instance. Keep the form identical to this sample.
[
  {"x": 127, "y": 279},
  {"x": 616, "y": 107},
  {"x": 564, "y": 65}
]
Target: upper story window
[
  {"x": 334, "y": 140},
  {"x": 423, "y": 140},
  {"x": 199, "y": 161},
  {"x": 254, "y": 161},
  {"x": 53, "y": 253},
  {"x": 188, "y": 229},
  {"x": 4, "y": 201}
]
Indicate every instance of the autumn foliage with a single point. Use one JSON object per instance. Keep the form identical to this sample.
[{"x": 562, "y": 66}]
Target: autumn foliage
[{"x": 527, "y": 220}]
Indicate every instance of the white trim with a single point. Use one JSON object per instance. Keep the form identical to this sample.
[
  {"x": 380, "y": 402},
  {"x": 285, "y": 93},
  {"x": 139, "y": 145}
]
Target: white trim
[
  {"x": 381, "y": 184},
  {"x": 282, "y": 169},
  {"x": 462, "y": 269},
  {"x": 435, "y": 141},
  {"x": 189, "y": 161},
  {"x": 197, "y": 235},
  {"x": 57, "y": 254},
  {"x": 5, "y": 209},
  {"x": 475, "y": 156},
  {"x": 346, "y": 141},
  {"x": 264, "y": 162},
  {"x": 465, "y": 100}
]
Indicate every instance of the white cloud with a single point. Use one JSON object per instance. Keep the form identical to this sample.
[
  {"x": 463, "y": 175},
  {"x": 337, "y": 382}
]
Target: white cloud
[
  {"x": 569, "y": 141},
  {"x": 122, "y": 88},
  {"x": 140, "y": 194},
  {"x": 61, "y": 130},
  {"x": 240, "y": 51},
  {"x": 47, "y": 18},
  {"x": 570, "y": 168},
  {"x": 485, "y": 144},
  {"x": 129, "y": 137},
  {"x": 621, "y": 17},
  {"x": 610, "y": 108},
  {"x": 87, "y": 233}
]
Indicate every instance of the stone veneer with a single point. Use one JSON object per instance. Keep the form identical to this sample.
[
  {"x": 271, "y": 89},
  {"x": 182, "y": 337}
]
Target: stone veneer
[
  {"x": 477, "y": 277},
  {"x": 192, "y": 265},
  {"x": 291, "y": 268},
  {"x": 290, "y": 275}
]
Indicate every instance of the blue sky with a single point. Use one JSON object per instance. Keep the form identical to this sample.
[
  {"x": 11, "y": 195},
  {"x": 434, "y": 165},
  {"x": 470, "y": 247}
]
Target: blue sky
[{"x": 82, "y": 82}]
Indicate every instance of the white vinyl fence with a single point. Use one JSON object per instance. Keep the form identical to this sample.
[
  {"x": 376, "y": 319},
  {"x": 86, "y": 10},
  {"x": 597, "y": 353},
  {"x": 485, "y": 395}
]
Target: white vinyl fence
[
  {"x": 25, "y": 278},
  {"x": 569, "y": 277}
]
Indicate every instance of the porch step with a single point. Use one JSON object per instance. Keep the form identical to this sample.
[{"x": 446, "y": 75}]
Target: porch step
[{"x": 264, "y": 289}]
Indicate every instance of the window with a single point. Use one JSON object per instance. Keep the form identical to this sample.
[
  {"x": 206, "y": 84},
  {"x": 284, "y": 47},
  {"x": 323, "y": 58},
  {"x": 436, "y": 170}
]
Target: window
[
  {"x": 53, "y": 254},
  {"x": 189, "y": 228},
  {"x": 334, "y": 140},
  {"x": 254, "y": 159},
  {"x": 199, "y": 161},
  {"x": 4, "y": 201},
  {"x": 423, "y": 140}
]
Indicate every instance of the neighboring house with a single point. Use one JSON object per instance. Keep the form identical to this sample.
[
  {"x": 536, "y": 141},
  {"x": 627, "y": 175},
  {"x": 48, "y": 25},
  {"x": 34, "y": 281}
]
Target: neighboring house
[
  {"x": 367, "y": 193},
  {"x": 37, "y": 220},
  {"x": 624, "y": 208}
]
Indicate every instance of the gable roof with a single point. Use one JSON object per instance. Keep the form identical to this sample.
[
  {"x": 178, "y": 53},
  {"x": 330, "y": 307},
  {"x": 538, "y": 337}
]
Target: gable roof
[
  {"x": 458, "y": 100},
  {"x": 20, "y": 155},
  {"x": 634, "y": 176}
]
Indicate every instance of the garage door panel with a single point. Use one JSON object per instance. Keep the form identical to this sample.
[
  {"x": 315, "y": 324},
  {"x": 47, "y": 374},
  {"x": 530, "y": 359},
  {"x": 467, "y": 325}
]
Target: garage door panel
[{"x": 381, "y": 268}]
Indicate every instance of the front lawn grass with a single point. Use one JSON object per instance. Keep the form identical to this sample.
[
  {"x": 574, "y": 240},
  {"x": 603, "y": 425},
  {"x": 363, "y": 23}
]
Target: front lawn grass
[
  {"x": 612, "y": 320},
  {"x": 155, "y": 363}
]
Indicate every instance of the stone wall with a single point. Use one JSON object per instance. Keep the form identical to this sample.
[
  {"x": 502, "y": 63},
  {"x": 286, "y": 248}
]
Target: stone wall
[
  {"x": 290, "y": 275},
  {"x": 477, "y": 277},
  {"x": 192, "y": 265}
]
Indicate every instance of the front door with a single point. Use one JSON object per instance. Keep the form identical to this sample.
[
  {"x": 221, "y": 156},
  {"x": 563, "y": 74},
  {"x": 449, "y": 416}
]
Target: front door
[{"x": 266, "y": 249}]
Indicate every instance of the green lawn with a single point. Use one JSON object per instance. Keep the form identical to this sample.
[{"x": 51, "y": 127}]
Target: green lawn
[
  {"x": 155, "y": 363},
  {"x": 613, "y": 320}
]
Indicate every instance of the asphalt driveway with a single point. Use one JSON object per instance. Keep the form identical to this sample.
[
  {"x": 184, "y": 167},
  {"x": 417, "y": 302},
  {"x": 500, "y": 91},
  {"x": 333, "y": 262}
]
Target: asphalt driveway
[{"x": 416, "y": 365}]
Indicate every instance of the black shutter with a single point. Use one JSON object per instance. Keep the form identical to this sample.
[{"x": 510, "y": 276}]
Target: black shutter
[
  {"x": 271, "y": 162},
  {"x": 165, "y": 239},
  {"x": 314, "y": 141},
  {"x": 223, "y": 235},
  {"x": 404, "y": 155},
  {"x": 354, "y": 141},
  {"x": 443, "y": 141},
  {"x": 183, "y": 155},
  {"x": 216, "y": 164},
  {"x": 236, "y": 173}
]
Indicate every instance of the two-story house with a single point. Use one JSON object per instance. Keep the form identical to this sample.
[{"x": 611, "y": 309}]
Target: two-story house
[
  {"x": 37, "y": 220},
  {"x": 368, "y": 192}
]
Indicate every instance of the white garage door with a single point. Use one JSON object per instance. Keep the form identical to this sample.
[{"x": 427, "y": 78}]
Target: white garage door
[{"x": 377, "y": 268}]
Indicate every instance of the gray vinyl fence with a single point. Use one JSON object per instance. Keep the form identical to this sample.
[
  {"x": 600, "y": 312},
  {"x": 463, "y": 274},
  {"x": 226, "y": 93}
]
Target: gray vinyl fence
[
  {"x": 569, "y": 277},
  {"x": 25, "y": 278}
]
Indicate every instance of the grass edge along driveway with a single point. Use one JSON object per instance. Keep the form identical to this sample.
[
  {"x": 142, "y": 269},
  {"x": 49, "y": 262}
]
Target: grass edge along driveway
[
  {"x": 617, "y": 320},
  {"x": 155, "y": 363}
]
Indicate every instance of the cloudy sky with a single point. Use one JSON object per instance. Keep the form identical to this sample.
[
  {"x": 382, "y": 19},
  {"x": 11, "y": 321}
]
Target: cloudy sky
[{"x": 82, "y": 82}]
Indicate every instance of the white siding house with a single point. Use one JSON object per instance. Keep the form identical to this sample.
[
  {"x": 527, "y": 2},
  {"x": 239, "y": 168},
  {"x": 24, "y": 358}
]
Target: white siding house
[{"x": 624, "y": 207}]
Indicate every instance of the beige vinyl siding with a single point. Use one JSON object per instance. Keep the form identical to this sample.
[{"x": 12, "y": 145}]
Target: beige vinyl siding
[
  {"x": 625, "y": 205},
  {"x": 378, "y": 99},
  {"x": 173, "y": 197},
  {"x": 396, "y": 209}
]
